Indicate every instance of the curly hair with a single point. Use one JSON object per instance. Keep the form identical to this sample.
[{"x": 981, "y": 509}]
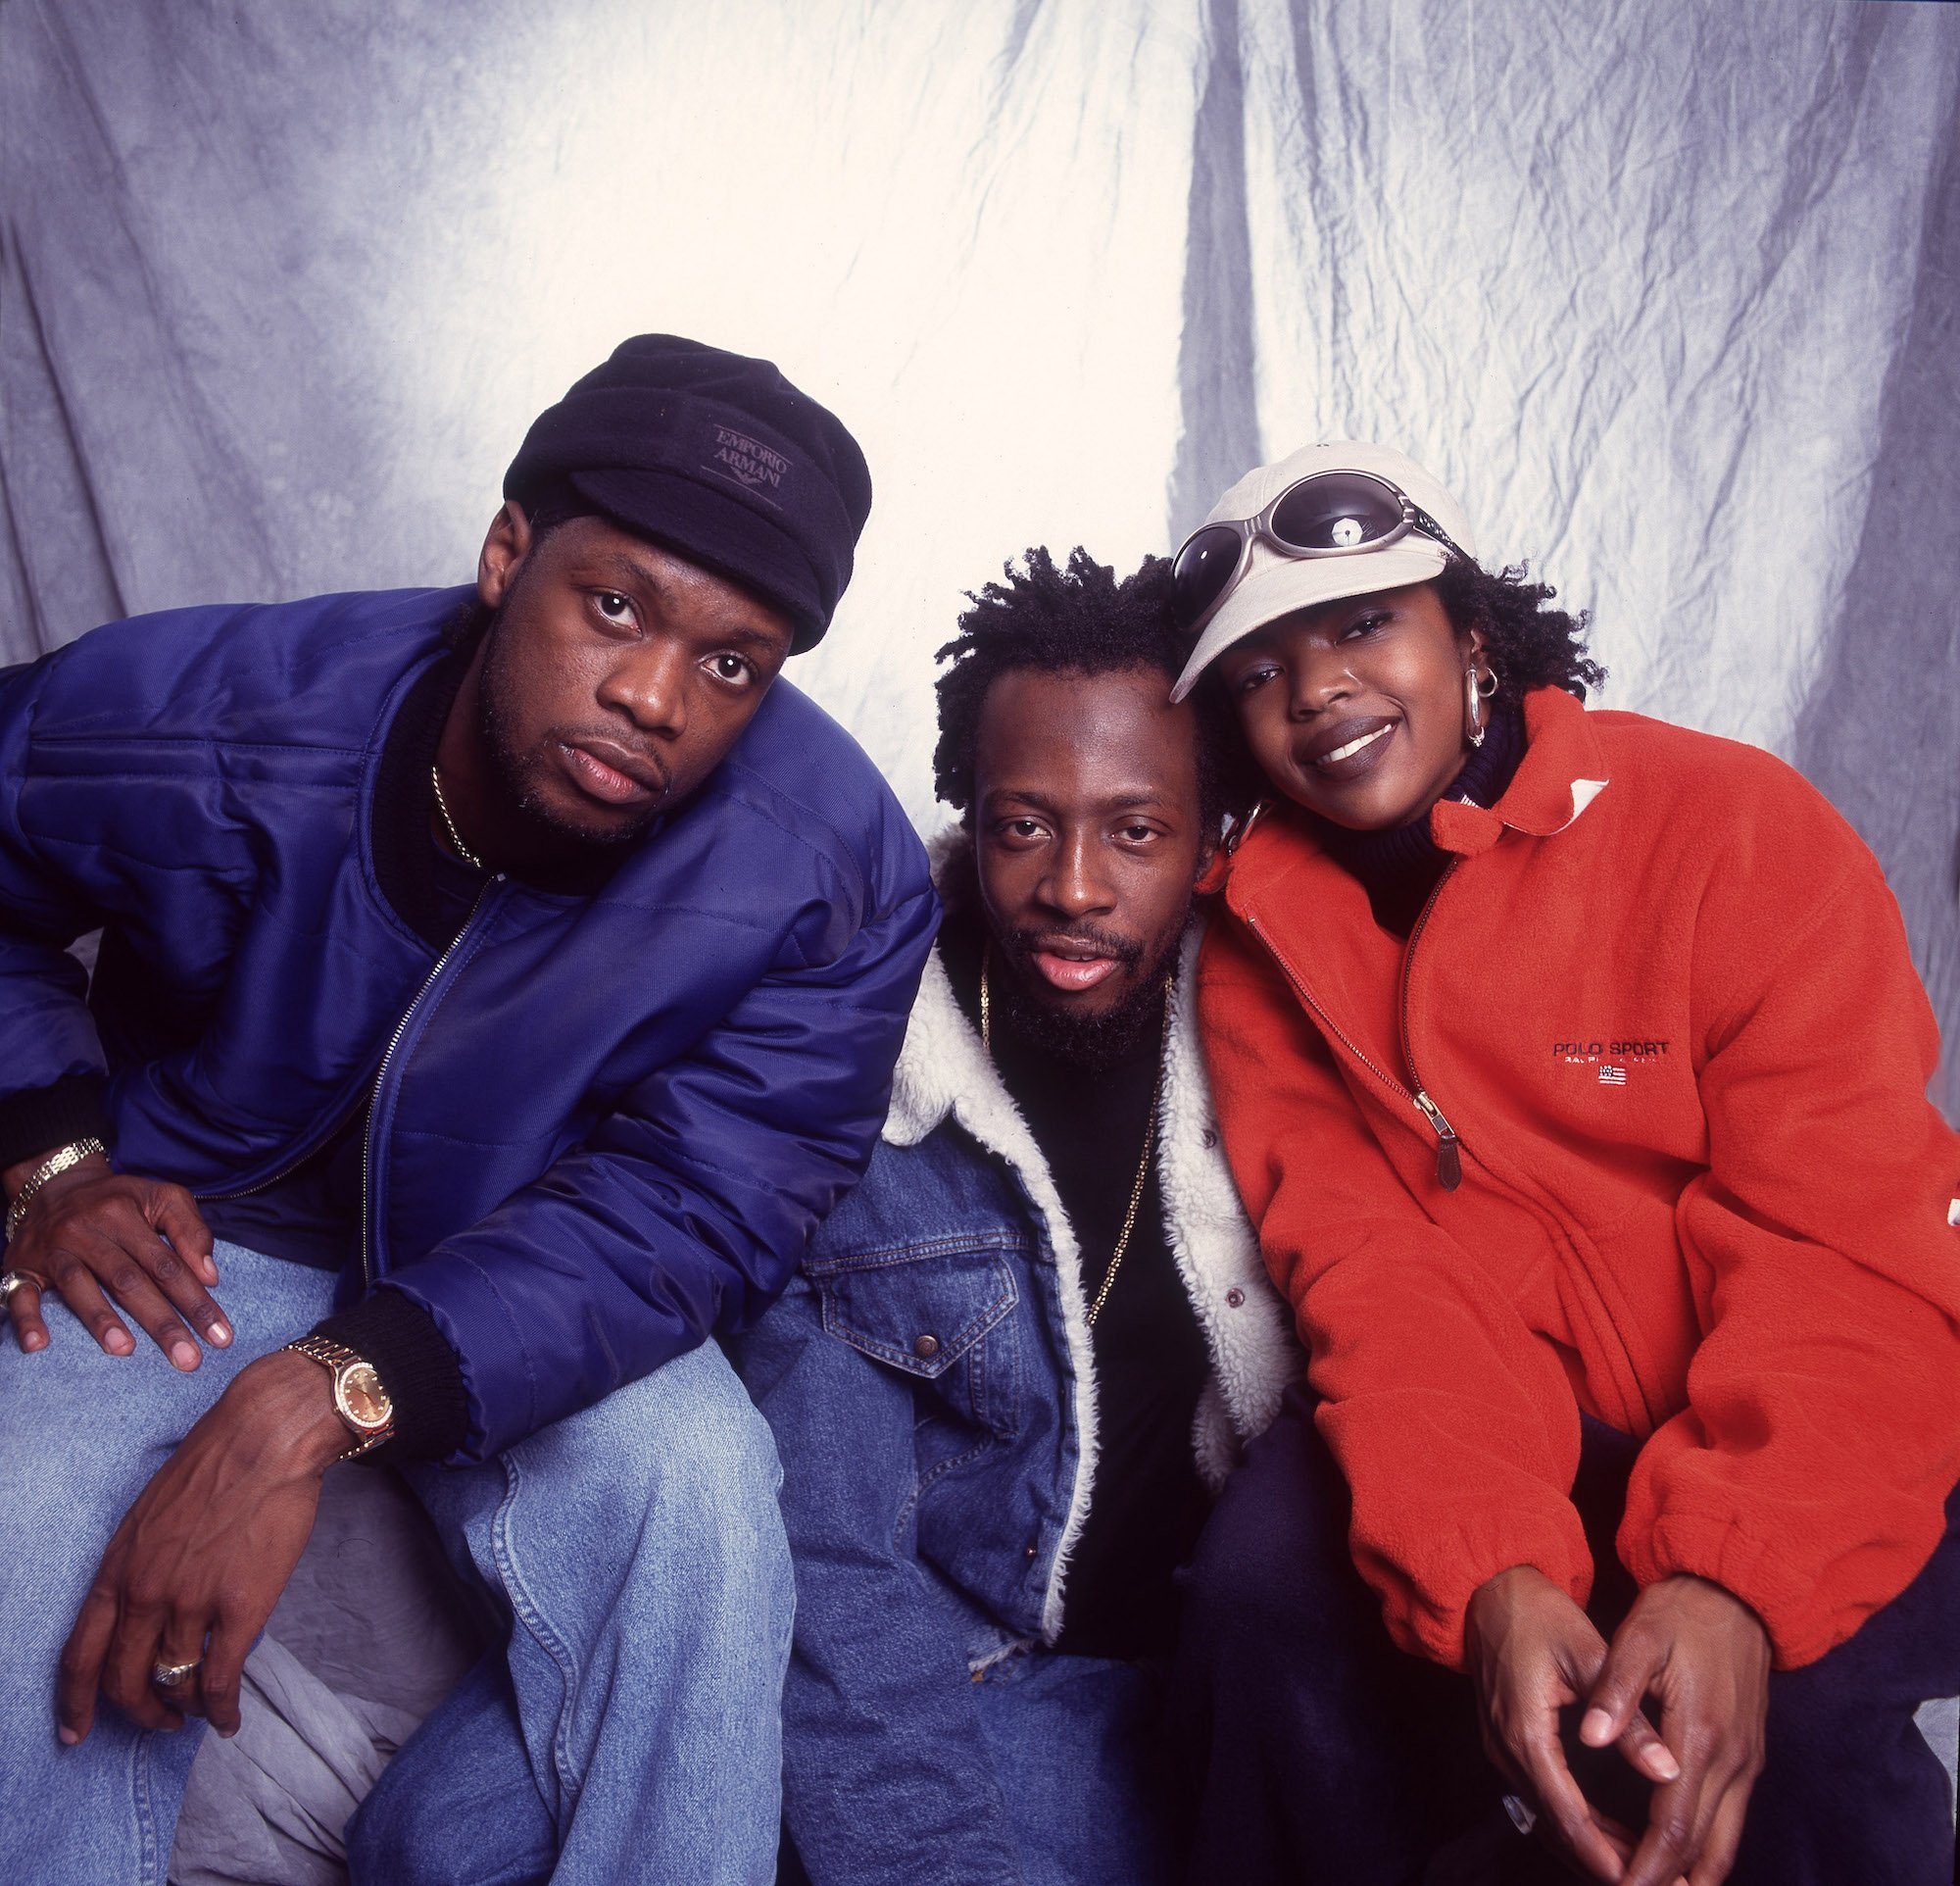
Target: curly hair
[
  {"x": 1075, "y": 618},
  {"x": 1528, "y": 644}
]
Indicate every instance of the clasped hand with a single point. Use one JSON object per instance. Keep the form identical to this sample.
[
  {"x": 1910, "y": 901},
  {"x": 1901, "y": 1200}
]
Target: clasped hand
[
  {"x": 93, "y": 1233},
  {"x": 1700, "y": 1651}
]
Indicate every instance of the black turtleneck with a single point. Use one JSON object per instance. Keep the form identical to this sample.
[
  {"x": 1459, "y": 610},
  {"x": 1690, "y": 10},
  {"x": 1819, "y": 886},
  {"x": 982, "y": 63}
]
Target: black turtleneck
[
  {"x": 1400, "y": 868},
  {"x": 1149, "y": 1355}
]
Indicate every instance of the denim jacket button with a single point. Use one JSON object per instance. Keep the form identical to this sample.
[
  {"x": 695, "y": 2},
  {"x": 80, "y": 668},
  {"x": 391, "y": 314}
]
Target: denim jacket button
[
  {"x": 926, "y": 1347},
  {"x": 1235, "y": 1296},
  {"x": 1029, "y": 1553}
]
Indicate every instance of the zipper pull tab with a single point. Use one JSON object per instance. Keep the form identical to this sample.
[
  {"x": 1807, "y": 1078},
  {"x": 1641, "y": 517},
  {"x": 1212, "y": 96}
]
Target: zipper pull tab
[{"x": 1449, "y": 1161}]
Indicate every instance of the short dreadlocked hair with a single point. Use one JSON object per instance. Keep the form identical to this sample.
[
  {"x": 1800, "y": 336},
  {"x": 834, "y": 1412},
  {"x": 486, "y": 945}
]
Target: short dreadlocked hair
[
  {"x": 1078, "y": 619},
  {"x": 1527, "y": 643}
]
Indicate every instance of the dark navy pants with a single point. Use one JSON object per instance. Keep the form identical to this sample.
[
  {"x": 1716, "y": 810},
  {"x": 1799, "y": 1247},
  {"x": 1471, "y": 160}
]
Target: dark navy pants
[{"x": 1319, "y": 1753}]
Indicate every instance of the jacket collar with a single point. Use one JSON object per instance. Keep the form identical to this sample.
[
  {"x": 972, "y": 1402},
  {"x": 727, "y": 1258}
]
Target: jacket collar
[
  {"x": 1561, "y": 774},
  {"x": 943, "y": 1068}
]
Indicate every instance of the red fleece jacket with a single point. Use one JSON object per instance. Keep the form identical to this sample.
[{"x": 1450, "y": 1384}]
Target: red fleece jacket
[{"x": 1662, "y": 996}]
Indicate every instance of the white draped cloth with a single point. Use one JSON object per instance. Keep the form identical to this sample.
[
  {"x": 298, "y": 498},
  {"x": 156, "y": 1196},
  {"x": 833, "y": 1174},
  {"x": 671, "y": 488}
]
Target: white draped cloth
[{"x": 1662, "y": 288}]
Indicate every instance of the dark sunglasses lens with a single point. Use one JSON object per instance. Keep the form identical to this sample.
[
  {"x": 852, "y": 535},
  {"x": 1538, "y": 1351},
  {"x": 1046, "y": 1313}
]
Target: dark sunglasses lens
[
  {"x": 1336, "y": 510},
  {"x": 1203, "y": 567}
]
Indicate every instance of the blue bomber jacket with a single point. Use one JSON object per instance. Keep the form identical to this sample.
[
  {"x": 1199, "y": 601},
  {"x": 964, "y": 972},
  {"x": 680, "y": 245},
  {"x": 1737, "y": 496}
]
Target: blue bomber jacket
[{"x": 598, "y": 1127}]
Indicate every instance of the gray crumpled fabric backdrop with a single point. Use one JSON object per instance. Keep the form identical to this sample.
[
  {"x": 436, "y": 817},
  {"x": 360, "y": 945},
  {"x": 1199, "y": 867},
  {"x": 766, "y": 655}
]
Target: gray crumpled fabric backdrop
[{"x": 1665, "y": 287}]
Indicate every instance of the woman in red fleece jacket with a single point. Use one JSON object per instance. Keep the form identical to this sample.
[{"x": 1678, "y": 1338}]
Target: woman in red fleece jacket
[{"x": 1573, "y": 1066}]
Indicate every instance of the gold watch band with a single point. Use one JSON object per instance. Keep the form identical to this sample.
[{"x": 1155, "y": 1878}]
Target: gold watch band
[{"x": 337, "y": 1359}]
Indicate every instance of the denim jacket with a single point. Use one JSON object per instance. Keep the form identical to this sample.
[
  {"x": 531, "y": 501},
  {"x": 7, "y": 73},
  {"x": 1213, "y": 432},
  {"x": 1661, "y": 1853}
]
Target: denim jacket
[{"x": 928, "y": 1376}]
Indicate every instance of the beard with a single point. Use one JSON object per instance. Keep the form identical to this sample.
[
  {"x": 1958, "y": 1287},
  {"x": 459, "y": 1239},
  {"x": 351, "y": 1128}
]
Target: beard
[
  {"x": 1093, "y": 1043},
  {"x": 515, "y": 774}
]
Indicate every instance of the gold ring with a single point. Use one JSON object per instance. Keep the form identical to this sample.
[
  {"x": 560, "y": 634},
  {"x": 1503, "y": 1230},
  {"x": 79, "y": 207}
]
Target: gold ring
[
  {"x": 12, "y": 1280},
  {"x": 167, "y": 1676}
]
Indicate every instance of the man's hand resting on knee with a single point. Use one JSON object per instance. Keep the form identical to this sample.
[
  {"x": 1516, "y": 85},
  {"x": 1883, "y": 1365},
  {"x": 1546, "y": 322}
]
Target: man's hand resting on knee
[
  {"x": 201, "y": 1559},
  {"x": 1703, "y": 1651},
  {"x": 93, "y": 1233}
]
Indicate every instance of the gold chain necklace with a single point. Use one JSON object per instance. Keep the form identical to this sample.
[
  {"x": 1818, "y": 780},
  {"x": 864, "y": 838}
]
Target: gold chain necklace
[
  {"x": 1149, "y": 1127},
  {"x": 463, "y": 850}
]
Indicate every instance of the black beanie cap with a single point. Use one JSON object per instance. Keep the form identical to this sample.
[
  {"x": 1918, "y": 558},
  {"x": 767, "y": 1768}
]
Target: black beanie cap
[{"x": 714, "y": 456}]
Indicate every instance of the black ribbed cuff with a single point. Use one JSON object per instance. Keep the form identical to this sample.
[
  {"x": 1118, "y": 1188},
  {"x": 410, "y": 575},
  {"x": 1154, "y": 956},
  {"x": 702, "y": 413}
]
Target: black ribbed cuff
[
  {"x": 37, "y": 1119},
  {"x": 417, "y": 1368}
]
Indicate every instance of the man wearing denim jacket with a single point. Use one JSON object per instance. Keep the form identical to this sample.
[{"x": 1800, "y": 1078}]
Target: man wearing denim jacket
[
  {"x": 497, "y": 985},
  {"x": 1016, "y": 1359}
]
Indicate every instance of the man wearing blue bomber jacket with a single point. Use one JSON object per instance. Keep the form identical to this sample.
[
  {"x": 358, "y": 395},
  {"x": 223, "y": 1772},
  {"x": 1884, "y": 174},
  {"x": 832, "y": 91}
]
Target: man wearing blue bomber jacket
[{"x": 496, "y": 988}]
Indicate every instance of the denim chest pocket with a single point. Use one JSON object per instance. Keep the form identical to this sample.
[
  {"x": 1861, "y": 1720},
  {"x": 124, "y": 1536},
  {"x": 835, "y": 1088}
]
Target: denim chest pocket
[{"x": 940, "y": 1312}]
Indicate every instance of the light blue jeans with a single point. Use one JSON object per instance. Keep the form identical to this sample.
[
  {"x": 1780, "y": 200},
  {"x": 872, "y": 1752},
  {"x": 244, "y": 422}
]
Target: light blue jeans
[
  {"x": 1074, "y": 1743},
  {"x": 636, "y": 1549}
]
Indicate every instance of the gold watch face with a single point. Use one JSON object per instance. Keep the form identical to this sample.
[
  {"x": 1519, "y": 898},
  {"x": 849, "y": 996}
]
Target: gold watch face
[{"x": 361, "y": 1398}]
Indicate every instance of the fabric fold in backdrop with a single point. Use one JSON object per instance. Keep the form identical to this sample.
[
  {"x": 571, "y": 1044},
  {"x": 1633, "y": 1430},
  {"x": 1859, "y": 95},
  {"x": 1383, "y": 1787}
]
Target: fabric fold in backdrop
[{"x": 1666, "y": 289}]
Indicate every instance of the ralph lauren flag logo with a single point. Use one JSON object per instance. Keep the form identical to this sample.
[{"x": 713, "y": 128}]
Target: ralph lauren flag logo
[{"x": 1612, "y": 1076}]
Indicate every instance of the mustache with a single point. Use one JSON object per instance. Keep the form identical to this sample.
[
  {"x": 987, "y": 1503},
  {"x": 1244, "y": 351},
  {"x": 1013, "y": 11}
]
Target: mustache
[
  {"x": 613, "y": 736},
  {"x": 1125, "y": 949}
]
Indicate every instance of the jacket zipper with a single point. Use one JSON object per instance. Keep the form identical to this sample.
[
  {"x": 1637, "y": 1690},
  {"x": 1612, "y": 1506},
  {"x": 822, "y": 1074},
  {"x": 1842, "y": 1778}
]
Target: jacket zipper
[
  {"x": 1449, "y": 1156},
  {"x": 381, "y": 1074},
  {"x": 1448, "y": 1149},
  {"x": 312, "y": 1146},
  {"x": 1448, "y": 1159}
]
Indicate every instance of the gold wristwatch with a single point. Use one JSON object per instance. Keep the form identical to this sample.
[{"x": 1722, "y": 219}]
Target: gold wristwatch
[{"x": 358, "y": 1398}]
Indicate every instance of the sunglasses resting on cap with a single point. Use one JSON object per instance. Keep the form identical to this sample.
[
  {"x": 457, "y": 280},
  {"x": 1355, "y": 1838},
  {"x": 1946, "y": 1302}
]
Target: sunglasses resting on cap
[{"x": 1342, "y": 519}]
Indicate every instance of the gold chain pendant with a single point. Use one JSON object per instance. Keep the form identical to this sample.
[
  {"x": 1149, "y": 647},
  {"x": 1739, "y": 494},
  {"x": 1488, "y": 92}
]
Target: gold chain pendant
[{"x": 463, "y": 850}]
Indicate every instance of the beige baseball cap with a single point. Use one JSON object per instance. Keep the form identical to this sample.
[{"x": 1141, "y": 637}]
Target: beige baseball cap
[{"x": 1272, "y": 584}]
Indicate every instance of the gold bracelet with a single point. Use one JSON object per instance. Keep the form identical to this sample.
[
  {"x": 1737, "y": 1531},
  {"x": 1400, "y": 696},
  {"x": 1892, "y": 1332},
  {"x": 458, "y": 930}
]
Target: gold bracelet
[{"x": 53, "y": 1166}]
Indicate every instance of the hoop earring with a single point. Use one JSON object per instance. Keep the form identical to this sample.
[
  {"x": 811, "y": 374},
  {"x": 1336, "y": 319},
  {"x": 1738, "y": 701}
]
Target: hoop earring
[
  {"x": 1474, "y": 699},
  {"x": 1238, "y": 830}
]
